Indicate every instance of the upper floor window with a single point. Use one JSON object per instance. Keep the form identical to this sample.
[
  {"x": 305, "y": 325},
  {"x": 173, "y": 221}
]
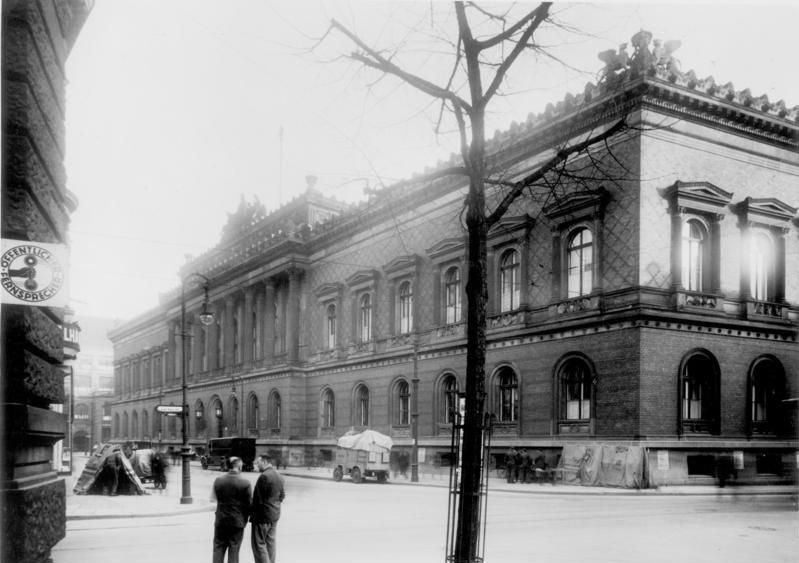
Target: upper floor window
[
  {"x": 761, "y": 274},
  {"x": 507, "y": 396},
  {"x": 452, "y": 295},
  {"x": 694, "y": 255},
  {"x": 448, "y": 400},
  {"x": 699, "y": 394},
  {"x": 509, "y": 277},
  {"x": 328, "y": 409},
  {"x": 402, "y": 404},
  {"x": 580, "y": 263},
  {"x": 365, "y": 318},
  {"x": 330, "y": 332},
  {"x": 405, "y": 307}
]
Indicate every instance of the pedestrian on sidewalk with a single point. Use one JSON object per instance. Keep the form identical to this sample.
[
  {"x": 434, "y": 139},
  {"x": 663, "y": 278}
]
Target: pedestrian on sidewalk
[
  {"x": 266, "y": 499},
  {"x": 232, "y": 493}
]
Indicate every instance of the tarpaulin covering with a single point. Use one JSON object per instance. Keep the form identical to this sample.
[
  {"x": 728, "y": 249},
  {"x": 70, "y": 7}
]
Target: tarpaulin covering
[
  {"x": 603, "y": 465},
  {"x": 368, "y": 441},
  {"x": 89, "y": 480}
]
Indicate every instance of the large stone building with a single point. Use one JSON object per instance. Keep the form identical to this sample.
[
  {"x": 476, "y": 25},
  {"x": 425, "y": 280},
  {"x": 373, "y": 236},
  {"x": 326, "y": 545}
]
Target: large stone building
[
  {"x": 37, "y": 36},
  {"x": 648, "y": 303}
]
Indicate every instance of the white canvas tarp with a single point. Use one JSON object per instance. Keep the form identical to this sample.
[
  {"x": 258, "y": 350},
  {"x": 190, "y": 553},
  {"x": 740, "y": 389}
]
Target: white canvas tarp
[
  {"x": 603, "y": 465},
  {"x": 368, "y": 441}
]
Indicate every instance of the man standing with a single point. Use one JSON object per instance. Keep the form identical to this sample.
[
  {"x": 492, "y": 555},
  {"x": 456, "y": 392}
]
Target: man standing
[
  {"x": 232, "y": 493},
  {"x": 266, "y": 499}
]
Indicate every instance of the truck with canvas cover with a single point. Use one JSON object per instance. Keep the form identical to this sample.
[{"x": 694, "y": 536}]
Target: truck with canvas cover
[
  {"x": 363, "y": 454},
  {"x": 220, "y": 450}
]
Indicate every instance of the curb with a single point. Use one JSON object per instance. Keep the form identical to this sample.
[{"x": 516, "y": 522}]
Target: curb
[{"x": 193, "y": 510}]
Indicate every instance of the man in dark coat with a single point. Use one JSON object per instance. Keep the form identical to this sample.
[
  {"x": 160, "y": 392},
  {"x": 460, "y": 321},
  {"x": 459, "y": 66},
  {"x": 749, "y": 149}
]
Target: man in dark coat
[
  {"x": 232, "y": 493},
  {"x": 266, "y": 499}
]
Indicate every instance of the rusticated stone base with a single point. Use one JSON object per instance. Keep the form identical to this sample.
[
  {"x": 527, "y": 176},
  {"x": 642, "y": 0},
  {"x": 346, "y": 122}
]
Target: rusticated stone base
[{"x": 33, "y": 518}]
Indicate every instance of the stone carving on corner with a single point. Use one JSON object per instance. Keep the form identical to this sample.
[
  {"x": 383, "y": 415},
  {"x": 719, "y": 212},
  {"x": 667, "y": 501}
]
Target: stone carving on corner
[{"x": 658, "y": 60}]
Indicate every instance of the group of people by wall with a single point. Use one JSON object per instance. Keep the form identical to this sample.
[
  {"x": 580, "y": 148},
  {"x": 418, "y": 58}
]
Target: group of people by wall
[{"x": 523, "y": 467}]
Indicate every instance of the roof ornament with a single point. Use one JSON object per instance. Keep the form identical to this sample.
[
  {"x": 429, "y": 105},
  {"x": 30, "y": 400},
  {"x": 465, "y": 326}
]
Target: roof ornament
[{"x": 658, "y": 60}]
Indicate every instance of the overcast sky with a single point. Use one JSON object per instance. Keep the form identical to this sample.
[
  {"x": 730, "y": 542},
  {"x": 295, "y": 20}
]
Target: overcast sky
[{"x": 175, "y": 108}]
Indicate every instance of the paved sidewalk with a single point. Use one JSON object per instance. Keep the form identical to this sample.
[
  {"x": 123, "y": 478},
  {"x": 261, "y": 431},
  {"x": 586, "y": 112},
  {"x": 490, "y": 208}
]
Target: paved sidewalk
[{"x": 167, "y": 503}]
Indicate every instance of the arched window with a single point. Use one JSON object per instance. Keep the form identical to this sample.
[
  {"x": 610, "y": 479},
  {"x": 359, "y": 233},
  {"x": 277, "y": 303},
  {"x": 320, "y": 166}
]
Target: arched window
[
  {"x": 125, "y": 426},
  {"x": 405, "y": 308},
  {"x": 402, "y": 403},
  {"x": 134, "y": 427},
  {"x": 365, "y": 318},
  {"x": 452, "y": 295},
  {"x": 507, "y": 396},
  {"x": 117, "y": 430},
  {"x": 233, "y": 421},
  {"x": 766, "y": 393},
  {"x": 145, "y": 424},
  {"x": 330, "y": 333},
  {"x": 576, "y": 390},
  {"x": 580, "y": 263},
  {"x": 219, "y": 417},
  {"x": 761, "y": 268},
  {"x": 199, "y": 418},
  {"x": 362, "y": 406},
  {"x": 274, "y": 410},
  {"x": 328, "y": 409},
  {"x": 253, "y": 414},
  {"x": 694, "y": 240},
  {"x": 509, "y": 276},
  {"x": 448, "y": 400},
  {"x": 699, "y": 394},
  {"x": 156, "y": 423}
]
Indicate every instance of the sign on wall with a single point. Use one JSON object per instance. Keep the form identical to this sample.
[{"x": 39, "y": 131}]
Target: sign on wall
[{"x": 34, "y": 273}]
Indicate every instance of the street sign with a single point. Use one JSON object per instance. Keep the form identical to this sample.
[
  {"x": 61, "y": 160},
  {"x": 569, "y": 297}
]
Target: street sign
[{"x": 169, "y": 409}]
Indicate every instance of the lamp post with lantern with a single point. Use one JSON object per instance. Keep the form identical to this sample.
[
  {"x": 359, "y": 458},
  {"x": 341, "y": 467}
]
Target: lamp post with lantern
[{"x": 206, "y": 318}]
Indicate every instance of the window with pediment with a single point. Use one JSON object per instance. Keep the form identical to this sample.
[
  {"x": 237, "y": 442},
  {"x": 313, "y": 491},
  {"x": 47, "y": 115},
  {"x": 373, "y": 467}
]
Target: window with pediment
[
  {"x": 509, "y": 280},
  {"x": 330, "y": 326},
  {"x": 576, "y": 222},
  {"x": 365, "y": 317},
  {"x": 453, "y": 308},
  {"x": 448, "y": 258},
  {"x": 765, "y": 224},
  {"x": 362, "y": 286},
  {"x": 405, "y": 305},
  {"x": 580, "y": 262},
  {"x": 697, "y": 210}
]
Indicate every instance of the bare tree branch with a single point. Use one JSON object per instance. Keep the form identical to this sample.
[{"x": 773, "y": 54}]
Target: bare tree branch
[
  {"x": 561, "y": 157},
  {"x": 512, "y": 30},
  {"x": 373, "y": 59}
]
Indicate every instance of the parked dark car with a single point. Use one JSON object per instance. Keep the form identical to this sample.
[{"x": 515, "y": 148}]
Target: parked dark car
[{"x": 219, "y": 450}]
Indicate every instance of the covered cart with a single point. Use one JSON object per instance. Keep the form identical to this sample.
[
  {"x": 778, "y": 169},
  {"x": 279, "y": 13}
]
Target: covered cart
[{"x": 363, "y": 454}]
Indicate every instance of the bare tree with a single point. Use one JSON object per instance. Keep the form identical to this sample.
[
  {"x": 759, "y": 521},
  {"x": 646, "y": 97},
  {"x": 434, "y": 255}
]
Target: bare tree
[{"x": 484, "y": 63}]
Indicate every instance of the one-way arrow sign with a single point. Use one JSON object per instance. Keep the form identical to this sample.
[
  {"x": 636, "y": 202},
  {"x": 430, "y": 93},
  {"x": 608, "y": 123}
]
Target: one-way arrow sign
[{"x": 169, "y": 409}]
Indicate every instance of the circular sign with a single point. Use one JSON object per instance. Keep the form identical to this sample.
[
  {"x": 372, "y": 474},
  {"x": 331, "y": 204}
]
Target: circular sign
[{"x": 30, "y": 273}]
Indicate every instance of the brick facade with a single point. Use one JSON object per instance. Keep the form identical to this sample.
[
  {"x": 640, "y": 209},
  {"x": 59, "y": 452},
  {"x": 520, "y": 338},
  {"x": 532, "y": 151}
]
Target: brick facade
[{"x": 636, "y": 357}]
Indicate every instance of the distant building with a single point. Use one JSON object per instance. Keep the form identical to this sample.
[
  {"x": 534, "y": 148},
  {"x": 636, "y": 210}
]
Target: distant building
[
  {"x": 93, "y": 384},
  {"x": 651, "y": 306}
]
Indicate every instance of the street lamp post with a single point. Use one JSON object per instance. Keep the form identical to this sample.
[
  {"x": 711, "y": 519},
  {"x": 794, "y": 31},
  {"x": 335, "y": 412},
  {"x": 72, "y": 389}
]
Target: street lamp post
[{"x": 206, "y": 318}]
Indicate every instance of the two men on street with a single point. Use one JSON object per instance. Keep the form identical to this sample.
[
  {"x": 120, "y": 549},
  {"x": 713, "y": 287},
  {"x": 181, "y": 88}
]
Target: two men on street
[
  {"x": 266, "y": 499},
  {"x": 233, "y": 495}
]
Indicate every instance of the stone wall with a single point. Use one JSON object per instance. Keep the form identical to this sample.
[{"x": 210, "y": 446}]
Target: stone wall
[{"x": 37, "y": 36}]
